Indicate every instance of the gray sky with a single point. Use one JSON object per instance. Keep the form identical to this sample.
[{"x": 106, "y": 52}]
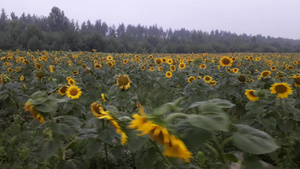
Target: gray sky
[{"x": 277, "y": 18}]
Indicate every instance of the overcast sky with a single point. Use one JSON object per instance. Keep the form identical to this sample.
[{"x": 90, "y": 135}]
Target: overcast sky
[{"x": 277, "y": 18}]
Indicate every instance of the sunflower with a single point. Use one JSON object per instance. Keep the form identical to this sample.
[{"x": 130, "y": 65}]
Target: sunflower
[
  {"x": 143, "y": 67},
  {"x": 103, "y": 97},
  {"x": 182, "y": 65},
  {"x": 39, "y": 74},
  {"x": 242, "y": 79},
  {"x": 125, "y": 61},
  {"x": 151, "y": 69},
  {"x": 199, "y": 77},
  {"x": 22, "y": 78},
  {"x": 168, "y": 74},
  {"x": 203, "y": 66},
  {"x": 173, "y": 68},
  {"x": 109, "y": 58},
  {"x": 282, "y": 89},
  {"x": 63, "y": 90},
  {"x": 297, "y": 80},
  {"x": 38, "y": 66},
  {"x": 273, "y": 68},
  {"x": 99, "y": 112},
  {"x": 150, "y": 56},
  {"x": 160, "y": 69},
  {"x": 71, "y": 82},
  {"x": 18, "y": 69},
  {"x": 158, "y": 61},
  {"x": 10, "y": 69},
  {"x": 75, "y": 72},
  {"x": 35, "y": 114},
  {"x": 235, "y": 70},
  {"x": 225, "y": 61},
  {"x": 110, "y": 64},
  {"x": 51, "y": 68},
  {"x": 174, "y": 147},
  {"x": 97, "y": 66},
  {"x": 265, "y": 73},
  {"x": 170, "y": 61},
  {"x": 123, "y": 81},
  {"x": 250, "y": 95},
  {"x": 190, "y": 79},
  {"x": 73, "y": 92},
  {"x": 257, "y": 59},
  {"x": 212, "y": 83},
  {"x": 207, "y": 79},
  {"x": 239, "y": 64}
]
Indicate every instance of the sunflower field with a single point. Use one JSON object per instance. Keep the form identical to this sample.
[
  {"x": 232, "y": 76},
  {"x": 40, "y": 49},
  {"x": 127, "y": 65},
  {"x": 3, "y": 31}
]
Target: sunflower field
[{"x": 64, "y": 109}]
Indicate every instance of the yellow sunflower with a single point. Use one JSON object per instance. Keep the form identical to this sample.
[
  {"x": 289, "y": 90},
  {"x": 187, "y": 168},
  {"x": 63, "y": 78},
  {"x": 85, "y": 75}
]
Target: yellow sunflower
[
  {"x": 250, "y": 95},
  {"x": 212, "y": 83},
  {"x": 182, "y": 65},
  {"x": 203, "y": 66},
  {"x": 103, "y": 97},
  {"x": 75, "y": 72},
  {"x": 35, "y": 114},
  {"x": 282, "y": 89},
  {"x": 71, "y": 82},
  {"x": 265, "y": 73},
  {"x": 39, "y": 74},
  {"x": 22, "y": 78},
  {"x": 174, "y": 147},
  {"x": 207, "y": 78},
  {"x": 160, "y": 69},
  {"x": 123, "y": 81},
  {"x": 226, "y": 61},
  {"x": 110, "y": 64},
  {"x": 158, "y": 61},
  {"x": 242, "y": 79},
  {"x": 297, "y": 80},
  {"x": 51, "y": 69},
  {"x": 38, "y": 66},
  {"x": 73, "y": 92},
  {"x": 99, "y": 112},
  {"x": 143, "y": 67},
  {"x": 173, "y": 68},
  {"x": 191, "y": 78},
  {"x": 168, "y": 74},
  {"x": 273, "y": 68},
  {"x": 63, "y": 90}
]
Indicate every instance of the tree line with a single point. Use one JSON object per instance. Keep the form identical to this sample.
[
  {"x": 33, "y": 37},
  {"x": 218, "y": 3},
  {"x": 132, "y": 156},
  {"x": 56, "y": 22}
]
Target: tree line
[{"x": 57, "y": 32}]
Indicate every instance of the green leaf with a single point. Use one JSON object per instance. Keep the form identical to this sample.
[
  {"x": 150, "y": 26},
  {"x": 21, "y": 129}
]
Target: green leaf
[
  {"x": 46, "y": 148},
  {"x": 73, "y": 122},
  {"x": 252, "y": 163},
  {"x": 63, "y": 129},
  {"x": 193, "y": 137},
  {"x": 145, "y": 159},
  {"x": 253, "y": 141},
  {"x": 213, "y": 121},
  {"x": 222, "y": 103},
  {"x": 70, "y": 164},
  {"x": 230, "y": 157}
]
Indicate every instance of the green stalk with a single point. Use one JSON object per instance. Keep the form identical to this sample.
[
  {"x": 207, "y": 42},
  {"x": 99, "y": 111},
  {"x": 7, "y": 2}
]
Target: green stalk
[
  {"x": 219, "y": 150},
  {"x": 159, "y": 151},
  {"x": 226, "y": 141}
]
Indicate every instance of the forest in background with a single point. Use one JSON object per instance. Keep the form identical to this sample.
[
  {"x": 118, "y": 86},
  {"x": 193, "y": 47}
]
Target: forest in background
[{"x": 57, "y": 32}]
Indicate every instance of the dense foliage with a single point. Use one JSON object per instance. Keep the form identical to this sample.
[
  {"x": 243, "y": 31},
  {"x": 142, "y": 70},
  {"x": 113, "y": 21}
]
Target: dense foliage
[
  {"x": 57, "y": 32},
  {"x": 63, "y": 109}
]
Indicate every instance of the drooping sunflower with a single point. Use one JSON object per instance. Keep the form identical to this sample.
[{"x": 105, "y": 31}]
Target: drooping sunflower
[
  {"x": 281, "y": 89},
  {"x": 63, "y": 90},
  {"x": 99, "y": 112},
  {"x": 182, "y": 65},
  {"x": 212, "y": 83},
  {"x": 174, "y": 147},
  {"x": 265, "y": 73},
  {"x": 123, "y": 81},
  {"x": 73, "y": 92},
  {"x": 10, "y": 69},
  {"x": 168, "y": 74},
  {"x": 39, "y": 74},
  {"x": 35, "y": 114},
  {"x": 297, "y": 80},
  {"x": 207, "y": 78},
  {"x": 191, "y": 78},
  {"x": 203, "y": 66},
  {"x": 226, "y": 61},
  {"x": 250, "y": 95}
]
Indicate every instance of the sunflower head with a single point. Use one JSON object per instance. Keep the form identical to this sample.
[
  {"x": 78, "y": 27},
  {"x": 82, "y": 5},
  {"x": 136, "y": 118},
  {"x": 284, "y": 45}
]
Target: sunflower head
[
  {"x": 168, "y": 74},
  {"x": 297, "y": 80},
  {"x": 191, "y": 78},
  {"x": 203, "y": 66},
  {"x": 96, "y": 108},
  {"x": 242, "y": 79},
  {"x": 251, "y": 95},
  {"x": 158, "y": 61},
  {"x": 173, "y": 68},
  {"x": 75, "y": 72},
  {"x": 235, "y": 70},
  {"x": 281, "y": 89},
  {"x": 110, "y": 64},
  {"x": 182, "y": 65},
  {"x": 39, "y": 74},
  {"x": 123, "y": 81},
  {"x": 226, "y": 61},
  {"x": 265, "y": 73},
  {"x": 63, "y": 90},
  {"x": 73, "y": 92},
  {"x": 207, "y": 78}
]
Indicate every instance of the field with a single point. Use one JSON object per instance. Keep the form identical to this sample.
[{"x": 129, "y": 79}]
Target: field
[{"x": 64, "y": 109}]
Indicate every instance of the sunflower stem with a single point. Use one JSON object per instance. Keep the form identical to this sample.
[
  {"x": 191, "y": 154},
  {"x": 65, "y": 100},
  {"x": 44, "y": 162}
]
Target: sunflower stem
[
  {"x": 159, "y": 151},
  {"x": 174, "y": 115},
  {"x": 51, "y": 116},
  {"x": 64, "y": 150},
  {"x": 226, "y": 141},
  {"x": 218, "y": 149},
  {"x": 105, "y": 145}
]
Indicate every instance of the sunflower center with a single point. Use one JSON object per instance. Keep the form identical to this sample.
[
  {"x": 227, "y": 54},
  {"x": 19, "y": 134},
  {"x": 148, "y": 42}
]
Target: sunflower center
[
  {"x": 251, "y": 93},
  {"x": 123, "y": 80},
  {"x": 225, "y": 61},
  {"x": 265, "y": 74},
  {"x": 207, "y": 78},
  {"x": 242, "y": 78},
  {"x": 297, "y": 80},
  {"x": 281, "y": 89},
  {"x": 73, "y": 92},
  {"x": 64, "y": 89}
]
